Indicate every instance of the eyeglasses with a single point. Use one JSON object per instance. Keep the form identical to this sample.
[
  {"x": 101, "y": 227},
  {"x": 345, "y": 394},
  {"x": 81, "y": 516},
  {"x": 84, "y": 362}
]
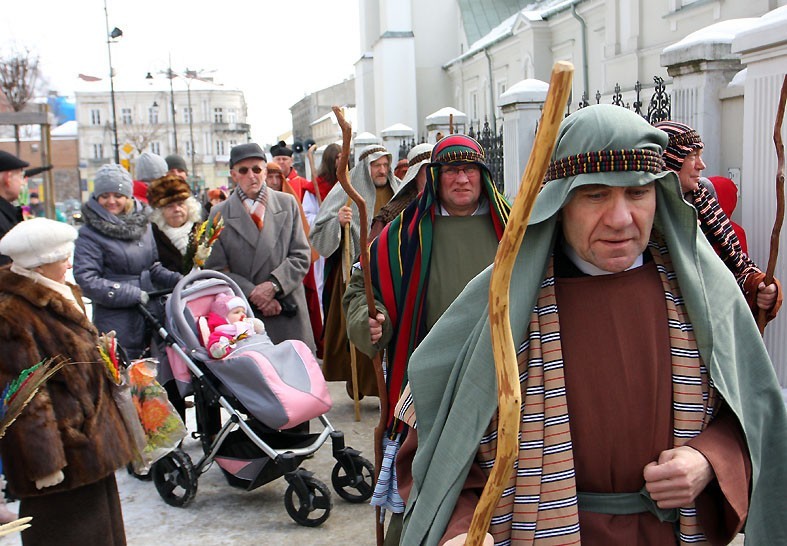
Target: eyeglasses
[
  {"x": 453, "y": 171},
  {"x": 256, "y": 169}
]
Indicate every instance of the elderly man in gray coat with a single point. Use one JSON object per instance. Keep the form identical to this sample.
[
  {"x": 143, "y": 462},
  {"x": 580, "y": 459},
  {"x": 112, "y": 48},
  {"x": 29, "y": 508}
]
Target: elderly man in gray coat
[{"x": 263, "y": 247}]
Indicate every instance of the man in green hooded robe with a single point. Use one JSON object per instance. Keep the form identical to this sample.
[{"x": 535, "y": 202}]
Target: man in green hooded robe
[{"x": 651, "y": 413}]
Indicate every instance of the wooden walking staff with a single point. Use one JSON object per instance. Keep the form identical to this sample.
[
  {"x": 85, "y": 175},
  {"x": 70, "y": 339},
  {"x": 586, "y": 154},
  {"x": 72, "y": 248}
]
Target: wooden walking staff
[
  {"x": 509, "y": 394},
  {"x": 777, "y": 224},
  {"x": 347, "y": 259},
  {"x": 367, "y": 282}
]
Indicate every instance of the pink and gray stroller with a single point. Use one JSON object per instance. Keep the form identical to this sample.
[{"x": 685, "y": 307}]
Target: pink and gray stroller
[{"x": 267, "y": 391}]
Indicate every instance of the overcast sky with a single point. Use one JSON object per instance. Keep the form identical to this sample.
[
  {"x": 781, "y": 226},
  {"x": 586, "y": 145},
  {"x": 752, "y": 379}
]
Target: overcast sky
[{"x": 276, "y": 52}]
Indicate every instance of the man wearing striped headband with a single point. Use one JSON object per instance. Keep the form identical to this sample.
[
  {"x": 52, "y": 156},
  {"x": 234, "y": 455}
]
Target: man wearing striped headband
[
  {"x": 373, "y": 178},
  {"x": 683, "y": 155},
  {"x": 419, "y": 264},
  {"x": 650, "y": 410}
]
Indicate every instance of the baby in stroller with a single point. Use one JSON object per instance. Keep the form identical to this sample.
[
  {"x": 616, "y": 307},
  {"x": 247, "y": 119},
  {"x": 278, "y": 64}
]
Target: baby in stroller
[{"x": 227, "y": 323}]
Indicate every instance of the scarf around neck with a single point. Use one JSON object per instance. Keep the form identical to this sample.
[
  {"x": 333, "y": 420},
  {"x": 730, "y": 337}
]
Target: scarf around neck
[{"x": 545, "y": 470}]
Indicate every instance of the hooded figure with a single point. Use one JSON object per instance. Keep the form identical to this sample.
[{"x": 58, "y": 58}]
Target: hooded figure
[
  {"x": 328, "y": 239},
  {"x": 441, "y": 252},
  {"x": 621, "y": 372},
  {"x": 727, "y": 196}
]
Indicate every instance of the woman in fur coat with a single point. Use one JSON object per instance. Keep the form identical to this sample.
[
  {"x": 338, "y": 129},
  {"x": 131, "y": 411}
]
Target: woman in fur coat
[
  {"x": 116, "y": 262},
  {"x": 61, "y": 453},
  {"x": 176, "y": 215}
]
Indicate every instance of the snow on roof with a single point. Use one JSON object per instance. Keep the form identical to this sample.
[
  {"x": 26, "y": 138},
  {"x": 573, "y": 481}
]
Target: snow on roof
[
  {"x": 531, "y": 12},
  {"x": 723, "y": 32},
  {"x": 158, "y": 83},
  {"x": 67, "y": 130},
  {"x": 349, "y": 115}
]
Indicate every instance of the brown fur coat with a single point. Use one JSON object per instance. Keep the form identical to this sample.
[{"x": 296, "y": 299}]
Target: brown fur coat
[{"x": 72, "y": 424}]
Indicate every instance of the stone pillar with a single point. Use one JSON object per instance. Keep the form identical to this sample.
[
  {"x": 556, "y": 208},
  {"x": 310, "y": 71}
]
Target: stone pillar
[
  {"x": 363, "y": 140},
  {"x": 521, "y": 105},
  {"x": 763, "y": 49},
  {"x": 393, "y": 137},
  {"x": 701, "y": 68},
  {"x": 438, "y": 123}
]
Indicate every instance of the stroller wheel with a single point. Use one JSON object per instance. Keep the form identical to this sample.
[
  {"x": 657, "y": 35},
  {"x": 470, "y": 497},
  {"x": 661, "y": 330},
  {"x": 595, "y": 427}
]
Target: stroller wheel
[
  {"x": 313, "y": 505},
  {"x": 353, "y": 482},
  {"x": 175, "y": 478}
]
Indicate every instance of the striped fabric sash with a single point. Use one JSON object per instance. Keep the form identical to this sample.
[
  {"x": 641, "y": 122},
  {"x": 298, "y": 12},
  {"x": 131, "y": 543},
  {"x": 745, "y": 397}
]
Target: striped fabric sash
[
  {"x": 542, "y": 488},
  {"x": 718, "y": 230}
]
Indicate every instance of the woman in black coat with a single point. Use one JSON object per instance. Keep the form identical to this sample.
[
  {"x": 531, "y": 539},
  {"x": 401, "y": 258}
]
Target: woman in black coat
[{"x": 116, "y": 262}]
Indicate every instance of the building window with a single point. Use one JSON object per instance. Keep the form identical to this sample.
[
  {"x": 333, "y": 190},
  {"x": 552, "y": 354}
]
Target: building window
[
  {"x": 155, "y": 147},
  {"x": 98, "y": 151},
  {"x": 218, "y": 115},
  {"x": 232, "y": 115},
  {"x": 188, "y": 148},
  {"x": 187, "y": 115},
  {"x": 473, "y": 105},
  {"x": 233, "y": 143},
  {"x": 95, "y": 117},
  {"x": 153, "y": 115},
  {"x": 501, "y": 88},
  {"x": 220, "y": 147},
  {"x": 125, "y": 116}
]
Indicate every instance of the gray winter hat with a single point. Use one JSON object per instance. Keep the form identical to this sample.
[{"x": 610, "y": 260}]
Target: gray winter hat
[
  {"x": 149, "y": 167},
  {"x": 112, "y": 178},
  {"x": 175, "y": 161}
]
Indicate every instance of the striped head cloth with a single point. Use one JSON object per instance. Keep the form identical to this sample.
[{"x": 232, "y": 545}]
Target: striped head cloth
[
  {"x": 682, "y": 141},
  {"x": 456, "y": 148}
]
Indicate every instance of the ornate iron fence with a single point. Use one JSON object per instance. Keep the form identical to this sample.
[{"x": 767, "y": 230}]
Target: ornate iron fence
[
  {"x": 492, "y": 143},
  {"x": 659, "y": 107}
]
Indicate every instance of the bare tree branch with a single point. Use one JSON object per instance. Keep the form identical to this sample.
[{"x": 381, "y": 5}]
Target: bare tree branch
[
  {"x": 18, "y": 77},
  {"x": 140, "y": 135}
]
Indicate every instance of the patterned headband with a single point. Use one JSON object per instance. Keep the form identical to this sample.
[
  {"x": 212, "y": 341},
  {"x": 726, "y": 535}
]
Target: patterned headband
[
  {"x": 420, "y": 157},
  {"x": 370, "y": 151},
  {"x": 605, "y": 161}
]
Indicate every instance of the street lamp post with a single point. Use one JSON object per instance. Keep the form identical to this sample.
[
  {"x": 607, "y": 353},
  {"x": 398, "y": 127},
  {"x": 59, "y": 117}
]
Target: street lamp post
[
  {"x": 115, "y": 34},
  {"x": 171, "y": 75},
  {"x": 189, "y": 75}
]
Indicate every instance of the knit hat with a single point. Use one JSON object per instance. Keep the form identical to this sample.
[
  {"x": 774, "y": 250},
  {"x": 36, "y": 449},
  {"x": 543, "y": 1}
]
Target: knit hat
[
  {"x": 274, "y": 168},
  {"x": 9, "y": 162},
  {"x": 149, "y": 167},
  {"x": 166, "y": 190},
  {"x": 417, "y": 157},
  {"x": 455, "y": 148},
  {"x": 224, "y": 303},
  {"x": 682, "y": 141},
  {"x": 601, "y": 144},
  {"x": 175, "y": 161},
  {"x": 281, "y": 148},
  {"x": 38, "y": 241},
  {"x": 217, "y": 193},
  {"x": 112, "y": 178}
]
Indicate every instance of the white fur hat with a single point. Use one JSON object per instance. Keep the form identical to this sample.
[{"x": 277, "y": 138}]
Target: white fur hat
[{"x": 38, "y": 241}]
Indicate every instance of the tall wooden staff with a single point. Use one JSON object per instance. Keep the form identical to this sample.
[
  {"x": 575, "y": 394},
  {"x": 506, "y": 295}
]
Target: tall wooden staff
[
  {"x": 367, "y": 282},
  {"x": 777, "y": 224},
  {"x": 509, "y": 393},
  {"x": 347, "y": 269}
]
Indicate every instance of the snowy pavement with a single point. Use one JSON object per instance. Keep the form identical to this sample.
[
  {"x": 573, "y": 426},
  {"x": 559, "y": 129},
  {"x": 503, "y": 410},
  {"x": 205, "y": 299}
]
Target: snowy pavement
[{"x": 223, "y": 515}]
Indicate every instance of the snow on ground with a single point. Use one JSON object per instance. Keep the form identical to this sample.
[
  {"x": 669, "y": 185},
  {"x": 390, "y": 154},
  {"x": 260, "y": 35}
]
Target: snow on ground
[{"x": 223, "y": 515}]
